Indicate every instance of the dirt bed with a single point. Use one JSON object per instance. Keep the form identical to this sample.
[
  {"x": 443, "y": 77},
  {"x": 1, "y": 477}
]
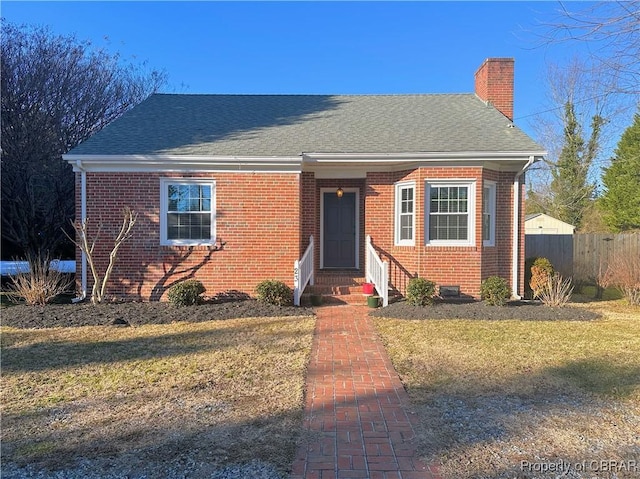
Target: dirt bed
[
  {"x": 519, "y": 310},
  {"x": 137, "y": 314}
]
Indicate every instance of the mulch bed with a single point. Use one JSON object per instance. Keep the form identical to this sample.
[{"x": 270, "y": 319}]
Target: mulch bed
[
  {"x": 137, "y": 314},
  {"x": 520, "y": 310}
]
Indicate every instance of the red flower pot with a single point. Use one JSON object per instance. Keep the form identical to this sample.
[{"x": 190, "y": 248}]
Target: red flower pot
[{"x": 367, "y": 288}]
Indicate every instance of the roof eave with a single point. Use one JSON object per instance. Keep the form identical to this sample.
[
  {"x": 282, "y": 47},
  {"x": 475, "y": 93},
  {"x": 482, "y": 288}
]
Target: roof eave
[
  {"x": 320, "y": 157},
  {"x": 175, "y": 163},
  {"x": 294, "y": 164}
]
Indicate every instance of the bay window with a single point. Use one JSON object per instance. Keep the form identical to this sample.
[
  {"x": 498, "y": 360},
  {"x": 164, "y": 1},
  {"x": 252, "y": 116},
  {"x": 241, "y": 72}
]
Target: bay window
[
  {"x": 449, "y": 219},
  {"x": 405, "y": 214},
  {"x": 489, "y": 213}
]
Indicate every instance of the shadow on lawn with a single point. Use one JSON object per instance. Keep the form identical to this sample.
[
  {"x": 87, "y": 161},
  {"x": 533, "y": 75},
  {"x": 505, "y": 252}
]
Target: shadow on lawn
[
  {"x": 487, "y": 415},
  {"x": 50, "y": 355},
  {"x": 600, "y": 376},
  {"x": 191, "y": 445},
  {"x": 497, "y": 413}
]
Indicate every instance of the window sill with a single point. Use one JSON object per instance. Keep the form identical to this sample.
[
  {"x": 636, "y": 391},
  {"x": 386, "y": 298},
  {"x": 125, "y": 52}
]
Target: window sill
[
  {"x": 439, "y": 247},
  {"x": 194, "y": 247}
]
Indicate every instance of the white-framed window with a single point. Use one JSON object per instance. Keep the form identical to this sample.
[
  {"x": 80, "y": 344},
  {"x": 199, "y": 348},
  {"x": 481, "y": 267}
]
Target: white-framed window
[
  {"x": 489, "y": 213},
  {"x": 449, "y": 213},
  {"x": 405, "y": 214},
  {"x": 187, "y": 211}
]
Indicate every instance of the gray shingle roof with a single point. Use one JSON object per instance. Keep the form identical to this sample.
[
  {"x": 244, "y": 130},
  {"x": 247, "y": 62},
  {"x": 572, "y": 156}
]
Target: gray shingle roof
[{"x": 288, "y": 125}]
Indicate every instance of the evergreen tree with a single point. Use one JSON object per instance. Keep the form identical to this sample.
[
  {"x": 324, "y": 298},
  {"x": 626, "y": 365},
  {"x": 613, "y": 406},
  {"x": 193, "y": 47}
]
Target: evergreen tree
[
  {"x": 621, "y": 199},
  {"x": 570, "y": 189}
]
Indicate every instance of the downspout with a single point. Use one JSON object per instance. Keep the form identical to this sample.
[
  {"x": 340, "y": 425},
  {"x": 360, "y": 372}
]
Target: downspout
[
  {"x": 515, "y": 265},
  {"x": 83, "y": 217}
]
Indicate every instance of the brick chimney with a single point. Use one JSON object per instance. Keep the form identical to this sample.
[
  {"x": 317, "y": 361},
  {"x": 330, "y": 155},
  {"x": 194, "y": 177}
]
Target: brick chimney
[{"x": 494, "y": 84}]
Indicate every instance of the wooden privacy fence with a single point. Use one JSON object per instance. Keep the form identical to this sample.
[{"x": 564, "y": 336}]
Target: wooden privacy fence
[{"x": 582, "y": 255}]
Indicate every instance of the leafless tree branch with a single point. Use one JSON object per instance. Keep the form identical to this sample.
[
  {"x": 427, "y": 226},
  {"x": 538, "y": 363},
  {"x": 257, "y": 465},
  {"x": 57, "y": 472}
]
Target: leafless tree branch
[{"x": 56, "y": 91}]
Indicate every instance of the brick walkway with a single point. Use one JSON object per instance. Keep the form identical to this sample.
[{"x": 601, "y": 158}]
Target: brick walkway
[{"x": 354, "y": 406}]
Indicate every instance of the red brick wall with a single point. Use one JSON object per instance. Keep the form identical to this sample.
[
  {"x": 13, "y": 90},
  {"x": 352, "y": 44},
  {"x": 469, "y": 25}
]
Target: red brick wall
[
  {"x": 494, "y": 83},
  {"x": 266, "y": 220},
  {"x": 497, "y": 261},
  {"x": 465, "y": 266},
  {"x": 309, "y": 211},
  {"x": 257, "y": 217}
]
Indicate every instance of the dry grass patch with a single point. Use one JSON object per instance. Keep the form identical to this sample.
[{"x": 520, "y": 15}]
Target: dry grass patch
[
  {"x": 199, "y": 394},
  {"x": 491, "y": 394}
]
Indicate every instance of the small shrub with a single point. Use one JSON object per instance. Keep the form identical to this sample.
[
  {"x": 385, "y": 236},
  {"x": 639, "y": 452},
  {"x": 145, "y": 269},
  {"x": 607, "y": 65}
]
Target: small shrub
[
  {"x": 495, "y": 291},
  {"x": 420, "y": 291},
  {"x": 624, "y": 273},
  {"x": 541, "y": 271},
  {"x": 186, "y": 293},
  {"x": 275, "y": 292},
  {"x": 40, "y": 285},
  {"x": 557, "y": 291}
]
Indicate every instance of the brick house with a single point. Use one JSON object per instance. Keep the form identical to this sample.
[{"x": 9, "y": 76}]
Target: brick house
[{"x": 233, "y": 189}]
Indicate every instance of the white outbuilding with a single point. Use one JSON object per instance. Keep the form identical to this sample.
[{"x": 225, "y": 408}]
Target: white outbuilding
[{"x": 542, "y": 224}]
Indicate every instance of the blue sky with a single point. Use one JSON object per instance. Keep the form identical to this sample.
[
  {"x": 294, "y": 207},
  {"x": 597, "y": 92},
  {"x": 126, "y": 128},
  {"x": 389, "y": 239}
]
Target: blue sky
[{"x": 318, "y": 47}]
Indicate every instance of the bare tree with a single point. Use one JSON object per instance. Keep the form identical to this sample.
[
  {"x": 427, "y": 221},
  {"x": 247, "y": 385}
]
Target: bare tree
[
  {"x": 612, "y": 31},
  {"x": 87, "y": 244},
  {"x": 56, "y": 91},
  {"x": 573, "y": 126}
]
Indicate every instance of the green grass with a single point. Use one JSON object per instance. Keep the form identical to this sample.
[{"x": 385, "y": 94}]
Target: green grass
[{"x": 609, "y": 294}]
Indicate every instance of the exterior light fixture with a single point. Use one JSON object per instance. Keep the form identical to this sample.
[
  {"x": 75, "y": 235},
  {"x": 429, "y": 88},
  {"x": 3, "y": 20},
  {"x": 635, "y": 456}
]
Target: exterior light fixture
[{"x": 339, "y": 192}]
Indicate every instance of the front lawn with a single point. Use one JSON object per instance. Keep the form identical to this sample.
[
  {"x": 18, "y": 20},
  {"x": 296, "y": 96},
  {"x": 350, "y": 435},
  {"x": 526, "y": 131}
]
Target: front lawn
[
  {"x": 142, "y": 401},
  {"x": 506, "y": 398}
]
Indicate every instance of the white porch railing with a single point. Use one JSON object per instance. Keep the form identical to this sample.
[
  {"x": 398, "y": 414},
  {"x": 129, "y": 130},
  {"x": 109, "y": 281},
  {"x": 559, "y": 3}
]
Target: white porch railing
[
  {"x": 377, "y": 272},
  {"x": 303, "y": 273}
]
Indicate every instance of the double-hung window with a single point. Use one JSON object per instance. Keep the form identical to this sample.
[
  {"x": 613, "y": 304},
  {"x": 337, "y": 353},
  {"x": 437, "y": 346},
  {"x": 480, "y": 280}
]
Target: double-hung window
[
  {"x": 489, "y": 213},
  {"x": 405, "y": 214},
  {"x": 187, "y": 212},
  {"x": 450, "y": 213}
]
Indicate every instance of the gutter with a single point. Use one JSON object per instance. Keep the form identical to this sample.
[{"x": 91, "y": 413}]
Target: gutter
[
  {"x": 515, "y": 264},
  {"x": 364, "y": 157},
  {"x": 83, "y": 216}
]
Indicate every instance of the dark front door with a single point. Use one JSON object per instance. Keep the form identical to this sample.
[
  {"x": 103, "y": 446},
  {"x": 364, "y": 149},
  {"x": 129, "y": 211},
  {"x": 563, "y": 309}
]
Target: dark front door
[{"x": 339, "y": 245}]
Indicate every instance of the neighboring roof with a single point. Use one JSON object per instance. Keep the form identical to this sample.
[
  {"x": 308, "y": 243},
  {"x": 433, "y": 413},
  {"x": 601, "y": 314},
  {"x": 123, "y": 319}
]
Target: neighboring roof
[
  {"x": 544, "y": 216},
  {"x": 288, "y": 125}
]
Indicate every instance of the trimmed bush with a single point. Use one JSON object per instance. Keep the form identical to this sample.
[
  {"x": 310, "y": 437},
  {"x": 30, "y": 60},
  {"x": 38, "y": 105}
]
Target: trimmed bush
[
  {"x": 541, "y": 271},
  {"x": 275, "y": 292},
  {"x": 420, "y": 291},
  {"x": 186, "y": 293},
  {"x": 495, "y": 291}
]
